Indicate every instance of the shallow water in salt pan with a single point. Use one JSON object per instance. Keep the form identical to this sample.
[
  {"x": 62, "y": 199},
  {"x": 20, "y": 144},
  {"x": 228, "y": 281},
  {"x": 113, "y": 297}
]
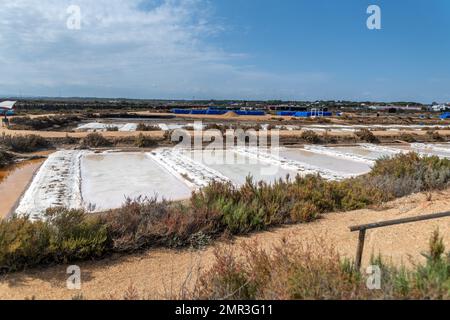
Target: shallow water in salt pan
[
  {"x": 359, "y": 151},
  {"x": 324, "y": 161},
  {"x": 237, "y": 167},
  {"x": 108, "y": 179}
]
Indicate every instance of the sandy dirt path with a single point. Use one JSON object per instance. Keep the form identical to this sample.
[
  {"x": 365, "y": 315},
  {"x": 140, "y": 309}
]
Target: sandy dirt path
[
  {"x": 160, "y": 134},
  {"x": 160, "y": 273}
]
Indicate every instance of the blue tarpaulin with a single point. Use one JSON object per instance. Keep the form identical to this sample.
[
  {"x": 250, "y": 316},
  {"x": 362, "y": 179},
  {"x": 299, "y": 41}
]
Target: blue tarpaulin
[
  {"x": 286, "y": 113},
  {"x": 8, "y": 112},
  {"x": 308, "y": 114},
  {"x": 445, "y": 115}
]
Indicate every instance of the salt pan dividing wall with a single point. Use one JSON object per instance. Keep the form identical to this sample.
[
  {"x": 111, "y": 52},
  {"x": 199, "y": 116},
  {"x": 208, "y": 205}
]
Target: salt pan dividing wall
[
  {"x": 330, "y": 167},
  {"x": 98, "y": 126},
  {"x": 101, "y": 181},
  {"x": 237, "y": 167},
  {"x": 195, "y": 174},
  {"x": 57, "y": 183},
  {"x": 441, "y": 151},
  {"x": 336, "y": 152},
  {"x": 303, "y": 162}
]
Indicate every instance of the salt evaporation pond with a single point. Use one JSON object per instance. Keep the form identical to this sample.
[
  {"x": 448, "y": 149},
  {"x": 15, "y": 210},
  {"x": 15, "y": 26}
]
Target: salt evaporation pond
[
  {"x": 102, "y": 181},
  {"x": 108, "y": 179},
  {"x": 237, "y": 167},
  {"x": 361, "y": 152},
  {"x": 332, "y": 163}
]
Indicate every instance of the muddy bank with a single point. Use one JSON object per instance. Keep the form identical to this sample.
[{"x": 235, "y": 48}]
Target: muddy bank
[{"x": 14, "y": 180}]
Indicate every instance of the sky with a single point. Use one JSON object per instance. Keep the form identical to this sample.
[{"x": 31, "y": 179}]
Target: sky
[{"x": 226, "y": 49}]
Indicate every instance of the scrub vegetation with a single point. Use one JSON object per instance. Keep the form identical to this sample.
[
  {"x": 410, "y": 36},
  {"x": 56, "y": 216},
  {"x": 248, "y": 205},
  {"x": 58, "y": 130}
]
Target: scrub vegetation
[
  {"x": 95, "y": 140},
  {"x": 218, "y": 210},
  {"x": 6, "y": 158},
  {"x": 20, "y": 143},
  {"x": 295, "y": 271},
  {"x": 43, "y": 123}
]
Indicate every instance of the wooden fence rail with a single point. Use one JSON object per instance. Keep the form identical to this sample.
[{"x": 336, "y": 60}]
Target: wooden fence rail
[{"x": 363, "y": 228}]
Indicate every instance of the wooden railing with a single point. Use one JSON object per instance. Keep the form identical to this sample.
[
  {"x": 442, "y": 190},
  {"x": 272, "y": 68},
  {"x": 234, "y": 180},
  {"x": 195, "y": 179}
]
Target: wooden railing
[{"x": 363, "y": 228}]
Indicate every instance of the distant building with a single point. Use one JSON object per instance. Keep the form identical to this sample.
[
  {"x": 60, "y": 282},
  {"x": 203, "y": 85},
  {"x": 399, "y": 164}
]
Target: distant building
[
  {"x": 439, "y": 107},
  {"x": 7, "y": 108}
]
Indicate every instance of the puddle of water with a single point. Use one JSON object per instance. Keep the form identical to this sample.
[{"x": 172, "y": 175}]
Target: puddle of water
[{"x": 13, "y": 182}]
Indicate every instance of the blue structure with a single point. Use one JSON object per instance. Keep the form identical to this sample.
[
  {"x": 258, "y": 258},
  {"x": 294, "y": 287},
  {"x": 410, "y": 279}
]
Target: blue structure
[
  {"x": 305, "y": 114},
  {"x": 445, "y": 116},
  {"x": 8, "y": 112},
  {"x": 309, "y": 114},
  {"x": 216, "y": 112},
  {"x": 286, "y": 113},
  {"x": 181, "y": 111},
  {"x": 250, "y": 113}
]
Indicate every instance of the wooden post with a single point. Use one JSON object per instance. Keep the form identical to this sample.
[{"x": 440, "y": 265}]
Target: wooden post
[{"x": 360, "y": 249}]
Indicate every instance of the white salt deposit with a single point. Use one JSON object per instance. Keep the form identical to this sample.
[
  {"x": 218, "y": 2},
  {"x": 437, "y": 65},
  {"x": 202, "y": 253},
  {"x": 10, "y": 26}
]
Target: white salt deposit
[
  {"x": 238, "y": 167},
  {"x": 377, "y": 148},
  {"x": 56, "y": 184},
  {"x": 275, "y": 157},
  {"x": 83, "y": 179},
  {"x": 98, "y": 126},
  {"x": 195, "y": 174},
  {"x": 339, "y": 154},
  {"x": 432, "y": 149},
  {"x": 109, "y": 178},
  {"x": 129, "y": 127}
]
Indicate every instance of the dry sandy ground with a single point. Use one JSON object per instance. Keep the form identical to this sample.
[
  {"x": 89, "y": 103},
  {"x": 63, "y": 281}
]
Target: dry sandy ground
[{"x": 161, "y": 273}]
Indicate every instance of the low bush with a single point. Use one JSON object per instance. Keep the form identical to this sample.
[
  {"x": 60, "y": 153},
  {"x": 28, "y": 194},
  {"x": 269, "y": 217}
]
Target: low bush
[
  {"x": 310, "y": 137},
  {"x": 143, "y": 141},
  {"x": 42, "y": 123},
  {"x": 6, "y": 158},
  {"x": 145, "y": 223},
  {"x": 434, "y": 136},
  {"x": 112, "y": 128},
  {"x": 27, "y": 143},
  {"x": 217, "y": 210},
  {"x": 146, "y": 127},
  {"x": 409, "y": 173},
  {"x": 66, "y": 235},
  {"x": 407, "y": 137},
  {"x": 95, "y": 140},
  {"x": 367, "y": 136},
  {"x": 295, "y": 271}
]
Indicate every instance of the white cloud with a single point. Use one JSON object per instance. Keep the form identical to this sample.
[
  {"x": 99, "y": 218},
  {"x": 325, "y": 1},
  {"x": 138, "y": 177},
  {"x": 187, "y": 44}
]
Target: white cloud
[{"x": 130, "y": 48}]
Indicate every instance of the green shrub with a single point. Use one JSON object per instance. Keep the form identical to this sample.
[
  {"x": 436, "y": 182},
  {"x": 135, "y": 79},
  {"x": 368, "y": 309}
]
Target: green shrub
[
  {"x": 409, "y": 173},
  {"x": 294, "y": 271},
  {"x": 66, "y": 236}
]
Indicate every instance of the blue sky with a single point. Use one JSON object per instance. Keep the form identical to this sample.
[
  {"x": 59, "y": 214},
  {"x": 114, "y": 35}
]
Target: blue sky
[{"x": 227, "y": 49}]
